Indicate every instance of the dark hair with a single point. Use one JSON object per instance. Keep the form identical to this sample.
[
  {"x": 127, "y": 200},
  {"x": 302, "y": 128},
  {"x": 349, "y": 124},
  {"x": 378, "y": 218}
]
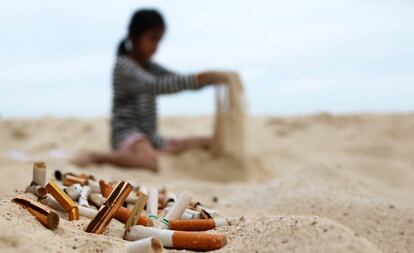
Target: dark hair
[{"x": 142, "y": 21}]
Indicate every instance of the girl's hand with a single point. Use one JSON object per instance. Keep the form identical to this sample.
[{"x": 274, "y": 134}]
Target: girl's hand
[{"x": 212, "y": 77}]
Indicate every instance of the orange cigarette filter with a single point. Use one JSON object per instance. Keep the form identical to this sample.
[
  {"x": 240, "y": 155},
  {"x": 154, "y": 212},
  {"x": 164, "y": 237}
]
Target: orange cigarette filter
[
  {"x": 197, "y": 241},
  {"x": 106, "y": 188},
  {"x": 64, "y": 200},
  {"x": 43, "y": 213},
  {"x": 192, "y": 225},
  {"x": 109, "y": 208},
  {"x": 69, "y": 180},
  {"x": 123, "y": 213}
]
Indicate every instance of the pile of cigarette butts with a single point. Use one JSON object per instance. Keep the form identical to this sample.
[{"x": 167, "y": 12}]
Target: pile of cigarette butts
[{"x": 167, "y": 221}]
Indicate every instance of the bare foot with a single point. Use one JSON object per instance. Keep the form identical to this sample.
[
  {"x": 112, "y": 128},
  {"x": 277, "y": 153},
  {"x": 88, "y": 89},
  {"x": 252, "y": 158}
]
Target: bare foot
[
  {"x": 177, "y": 146},
  {"x": 83, "y": 159}
]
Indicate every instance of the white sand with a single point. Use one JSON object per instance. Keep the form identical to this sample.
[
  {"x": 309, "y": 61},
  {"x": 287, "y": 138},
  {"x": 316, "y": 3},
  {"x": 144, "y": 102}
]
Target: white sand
[{"x": 316, "y": 184}]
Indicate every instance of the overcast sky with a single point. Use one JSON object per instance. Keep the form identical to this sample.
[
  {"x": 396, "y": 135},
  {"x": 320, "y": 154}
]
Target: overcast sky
[{"x": 295, "y": 56}]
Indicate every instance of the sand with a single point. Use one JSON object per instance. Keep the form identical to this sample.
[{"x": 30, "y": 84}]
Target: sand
[
  {"x": 229, "y": 121},
  {"x": 318, "y": 183}
]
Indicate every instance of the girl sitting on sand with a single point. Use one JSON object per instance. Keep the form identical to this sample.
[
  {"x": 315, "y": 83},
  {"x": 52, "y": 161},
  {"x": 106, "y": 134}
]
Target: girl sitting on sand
[{"x": 137, "y": 80}]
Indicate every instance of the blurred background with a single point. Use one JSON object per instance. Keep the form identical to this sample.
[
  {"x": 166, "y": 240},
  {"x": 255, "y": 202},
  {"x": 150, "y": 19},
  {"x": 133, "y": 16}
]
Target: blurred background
[{"x": 295, "y": 57}]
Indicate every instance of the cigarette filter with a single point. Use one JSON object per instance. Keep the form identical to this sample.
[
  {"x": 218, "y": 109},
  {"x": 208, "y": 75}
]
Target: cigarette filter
[
  {"x": 177, "y": 209},
  {"x": 196, "y": 225},
  {"x": 97, "y": 199},
  {"x": 106, "y": 188},
  {"x": 123, "y": 213},
  {"x": 63, "y": 200},
  {"x": 152, "y": 203},
  {"x": 39, "y": 173},
  {"x": 147, "y": 245},
  {"x": 73, "y": 191},
  {"x": 43, "y": 213},
  {"x": 87, "y": 212},
  {"x": 37, "y": 190},
  {"x": 94, "y": 186},
  {"x": 132, "y": 198},
  {"x": 69, "y": 180},
  {"x": 109, "y": 208},
  {"x": 199, "y": 241},
  {"x": 51, "y": 202},
  {"x": 84, "y": 195},
  {"x": 136, "y": 212}
]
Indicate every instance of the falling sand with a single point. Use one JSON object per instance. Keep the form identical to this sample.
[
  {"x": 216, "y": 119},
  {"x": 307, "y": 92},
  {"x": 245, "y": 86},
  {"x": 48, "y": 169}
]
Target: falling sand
[{"x": 229, "y": 131}]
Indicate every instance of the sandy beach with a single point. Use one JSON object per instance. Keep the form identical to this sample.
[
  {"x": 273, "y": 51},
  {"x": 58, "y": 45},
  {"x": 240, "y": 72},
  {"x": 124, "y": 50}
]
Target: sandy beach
[{"x": 317, "y": 183}]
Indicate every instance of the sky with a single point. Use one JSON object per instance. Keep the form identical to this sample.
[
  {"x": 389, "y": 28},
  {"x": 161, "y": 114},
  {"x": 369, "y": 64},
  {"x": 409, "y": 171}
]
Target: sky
[{"x": 295, "y": 57}]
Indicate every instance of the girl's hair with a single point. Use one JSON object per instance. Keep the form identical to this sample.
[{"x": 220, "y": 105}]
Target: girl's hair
[{"x": 142, "y": 21}]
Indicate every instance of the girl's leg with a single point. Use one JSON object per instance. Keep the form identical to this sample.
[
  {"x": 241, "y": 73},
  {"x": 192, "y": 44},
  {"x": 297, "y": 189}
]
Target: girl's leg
[{"x": 135, "y": 152}]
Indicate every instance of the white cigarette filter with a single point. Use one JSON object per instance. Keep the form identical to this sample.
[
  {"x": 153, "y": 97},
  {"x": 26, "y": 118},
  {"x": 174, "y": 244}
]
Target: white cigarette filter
[
  {"x": 97, "y": 199},
  {"x": 152, "y": 203},
  {"x": 52, "y": 202},
  {"x": 94, "y": 186},
  {"x": 87, "y": 212},
  {"x": 39, "y": 173},
  {"x": 37, "y": 190},
  {"x": 84, "y": 195},
  {"x": 147, "y": 245},
  {"x": 177, "y": 209},
  {"x": 132, "y": 198},
  {"x": 187, "y": 215},
  {"x": 73, "y": 191}
]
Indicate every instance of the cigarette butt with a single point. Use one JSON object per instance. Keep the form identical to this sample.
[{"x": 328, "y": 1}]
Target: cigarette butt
[
  {"x": 64, "y": 200},
  {"x": 74, "y": 213},
  {"x": 39, "y": 191},
  {"x": 106, "y": 188},
  {"x": 87, "y": 212},
  {"x": 136, "y": 212},
  {"x": 199, "y": 241},
  {"x": 84, "y": 195},
  {"x": 196, "y": 225},
  {"x": 109, "y": 208},
  {"x": 52, "y": 202},
  {"x": 94, "y": 186},
  {"x": 73, "y": 191},
  {"x": 123, "y": 213},
  {"x": 39, "y": 173},
  {"x": 69, "y": 180},
  {"x": 147, "y": 245},
  {"x": 132, "y": 198},
  {"x": 177, "y": 209},
  {"x": 43, "y": 213},
  {"x": 187, "y": 215},
  {"x": 97, "y": 199},
  {"x": 152, "y": 203}
]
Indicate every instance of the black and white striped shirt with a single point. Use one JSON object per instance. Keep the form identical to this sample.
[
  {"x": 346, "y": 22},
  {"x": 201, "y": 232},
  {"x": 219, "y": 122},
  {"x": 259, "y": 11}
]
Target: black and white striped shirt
[{"x": 134, "y": 108}]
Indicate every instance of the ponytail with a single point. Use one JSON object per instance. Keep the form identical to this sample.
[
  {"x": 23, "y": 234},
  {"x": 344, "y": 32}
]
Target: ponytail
[{"x": 122, "y": 48}]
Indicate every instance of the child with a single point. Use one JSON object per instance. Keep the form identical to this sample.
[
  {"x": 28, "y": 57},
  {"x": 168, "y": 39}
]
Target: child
[{"x": 137, "y": 80}]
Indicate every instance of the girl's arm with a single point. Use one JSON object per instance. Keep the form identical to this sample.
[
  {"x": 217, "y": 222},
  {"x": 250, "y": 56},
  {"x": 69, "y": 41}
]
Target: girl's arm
[{"x": 135, "y": 79}]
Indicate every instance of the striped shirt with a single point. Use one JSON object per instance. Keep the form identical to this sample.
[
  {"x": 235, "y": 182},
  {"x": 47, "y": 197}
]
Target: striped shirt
[{"x": 134, "y": 108}]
